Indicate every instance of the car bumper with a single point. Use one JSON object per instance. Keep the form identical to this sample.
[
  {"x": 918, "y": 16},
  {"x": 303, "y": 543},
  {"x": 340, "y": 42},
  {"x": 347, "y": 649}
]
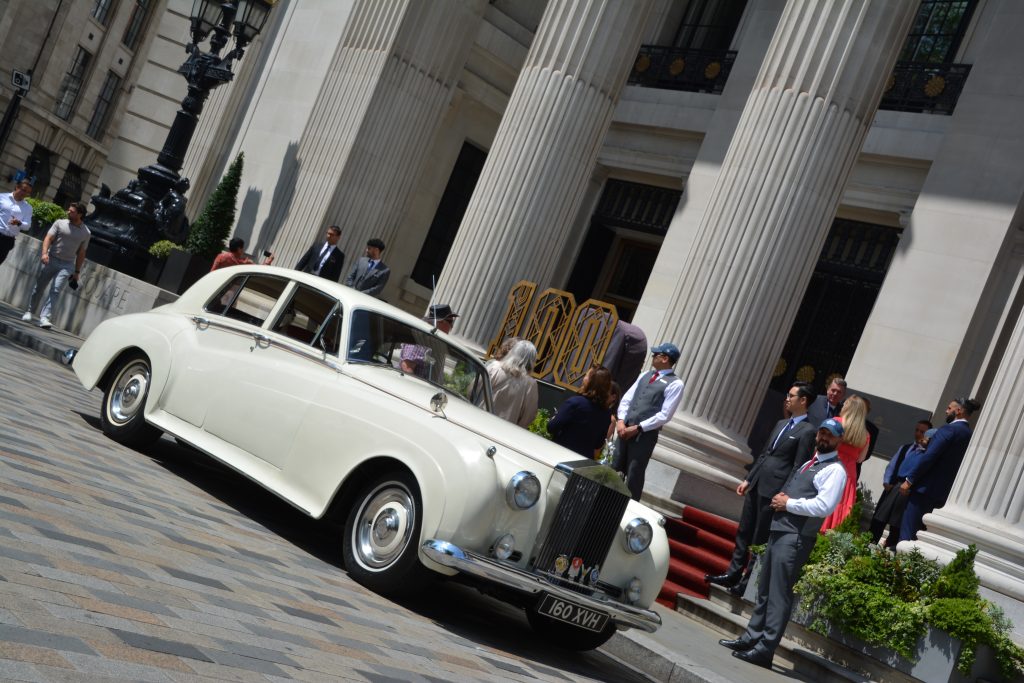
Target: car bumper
[{"x": 468, "y": 562}]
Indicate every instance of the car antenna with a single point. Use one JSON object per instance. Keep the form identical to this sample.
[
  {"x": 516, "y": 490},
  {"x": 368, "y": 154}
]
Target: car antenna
[{"x": 433, "y": 291}]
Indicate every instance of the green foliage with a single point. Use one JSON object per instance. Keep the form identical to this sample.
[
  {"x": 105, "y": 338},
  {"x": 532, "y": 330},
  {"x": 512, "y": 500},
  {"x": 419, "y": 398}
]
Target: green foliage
[
  {"x": 540, "y": 423},
  {"x": 45, "y": 213},
  {"x": 888, "y": 599},
  {"x": 758, "y": 549},
  {"x": 163, "y": 249},
  {"x": 210, "y": 231}
]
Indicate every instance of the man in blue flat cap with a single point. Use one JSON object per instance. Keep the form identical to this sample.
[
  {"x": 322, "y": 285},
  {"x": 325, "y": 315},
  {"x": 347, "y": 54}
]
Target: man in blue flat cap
[{"x": 643, "y": 411}]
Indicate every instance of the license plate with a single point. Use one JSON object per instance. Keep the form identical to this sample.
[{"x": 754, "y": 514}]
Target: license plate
[{"x": 571, "y": 613}]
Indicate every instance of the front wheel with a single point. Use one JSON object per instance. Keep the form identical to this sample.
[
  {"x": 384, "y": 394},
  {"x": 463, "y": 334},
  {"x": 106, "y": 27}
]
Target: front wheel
[
  {"x": 124, "y": 401},
  {"x": 565, "y": 635},
  {"x": 382, "y": 533}
]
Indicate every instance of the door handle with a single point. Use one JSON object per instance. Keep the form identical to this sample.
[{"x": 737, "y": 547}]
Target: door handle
[
  {"x": 261, "y": 341},
  {"x": 200, "y": 323}
]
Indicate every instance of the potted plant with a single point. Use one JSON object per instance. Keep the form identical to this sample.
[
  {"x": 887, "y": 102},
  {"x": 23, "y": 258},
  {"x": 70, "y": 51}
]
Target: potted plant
[{"x": 43, "y": 215}]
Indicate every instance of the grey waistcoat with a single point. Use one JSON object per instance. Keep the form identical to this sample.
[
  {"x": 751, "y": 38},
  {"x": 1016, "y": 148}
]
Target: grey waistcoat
[
  {"x": 801, "y": 485},
  {"x": 648, "y": 397}
]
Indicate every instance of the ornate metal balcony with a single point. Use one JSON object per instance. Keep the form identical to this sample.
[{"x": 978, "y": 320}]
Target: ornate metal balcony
[
  {"x": 921, "y": 87},
  {"x": 675, "y": 68}
]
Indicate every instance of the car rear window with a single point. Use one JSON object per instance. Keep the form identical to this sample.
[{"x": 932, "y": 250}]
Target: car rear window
[{"x": 249, "y": 298}]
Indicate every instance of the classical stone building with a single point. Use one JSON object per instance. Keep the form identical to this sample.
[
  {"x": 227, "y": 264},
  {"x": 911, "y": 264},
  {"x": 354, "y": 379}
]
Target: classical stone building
[{"x": 784, "y": 189}]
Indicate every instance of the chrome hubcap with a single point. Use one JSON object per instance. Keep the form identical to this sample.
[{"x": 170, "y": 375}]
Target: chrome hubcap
[
  {"x": 128, "y": 394},
  {"x": 384, "y": 526}
]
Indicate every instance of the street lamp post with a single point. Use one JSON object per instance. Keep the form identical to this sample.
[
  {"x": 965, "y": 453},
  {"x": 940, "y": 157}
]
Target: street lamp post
[{"x": 152, "y": 207}]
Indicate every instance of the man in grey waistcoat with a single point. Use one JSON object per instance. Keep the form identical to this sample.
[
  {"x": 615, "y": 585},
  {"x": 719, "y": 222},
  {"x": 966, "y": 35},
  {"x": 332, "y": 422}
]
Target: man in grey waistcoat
[
  {"x": 812, "y": 492},
  {"x": 643, "y": 411}
]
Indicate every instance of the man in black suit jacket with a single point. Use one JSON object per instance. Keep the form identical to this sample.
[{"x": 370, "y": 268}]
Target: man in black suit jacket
[
  {"x": 324, "y": 258},
  {"x": 370, "y": 274},
  {"x": 791, "y": 444},
  {"x": 830, "y": 404}
]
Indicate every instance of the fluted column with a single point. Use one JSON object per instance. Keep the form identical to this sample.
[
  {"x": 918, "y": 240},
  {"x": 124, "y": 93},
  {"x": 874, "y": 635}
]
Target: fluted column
[
  {"x": 543, "y": 155},
  {"x": 391, "y": 80},
  {"x": 776, "y": 195},
  {"x": 985, "y": 506}
]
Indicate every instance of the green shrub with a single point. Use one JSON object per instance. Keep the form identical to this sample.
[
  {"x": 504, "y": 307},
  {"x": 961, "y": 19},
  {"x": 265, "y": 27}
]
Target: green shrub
[
  {"x": 958, "y": 579},
  {"x": 45, "y": 213},
  {"x": 209, "y": 233},
  {"x": 540, "y": 423},
  {"x": 163, "y": 249}
]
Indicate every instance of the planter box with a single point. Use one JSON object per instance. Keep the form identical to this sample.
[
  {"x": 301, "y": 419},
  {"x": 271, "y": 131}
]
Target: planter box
[
  {"x": 182, "y": 270},
  {"x": 934, "y": 659}
]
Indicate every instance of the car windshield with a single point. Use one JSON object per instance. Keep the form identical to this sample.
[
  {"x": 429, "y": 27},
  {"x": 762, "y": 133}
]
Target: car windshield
[{"x": 378, "y": 339}]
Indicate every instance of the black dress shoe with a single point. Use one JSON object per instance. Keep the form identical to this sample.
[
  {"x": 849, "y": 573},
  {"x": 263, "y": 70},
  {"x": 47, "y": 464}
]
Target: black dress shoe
[
  {"x": 727, "y": 580},
  {"x": 755, "y": 657},
  {"x": 738, "y": 645}
]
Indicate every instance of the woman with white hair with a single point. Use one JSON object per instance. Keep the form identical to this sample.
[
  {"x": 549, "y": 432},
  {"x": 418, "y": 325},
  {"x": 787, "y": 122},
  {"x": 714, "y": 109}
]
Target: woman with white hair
[{"x": 512, "y": 386}]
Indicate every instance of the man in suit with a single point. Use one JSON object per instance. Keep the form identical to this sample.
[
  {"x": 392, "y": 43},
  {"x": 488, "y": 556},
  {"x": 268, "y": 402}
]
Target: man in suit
[
  {"x": 928, "y": 477},
  {"x": 889, "y": 510},
  {"x": 830, "y": 404},
  {"x": 324, "y": 258},
  {"x": 811, "y": 494},
  {"x": 370, "y": 274},
  {"x": 644, "y": 409},
  {"x": 790, "y": 443}
]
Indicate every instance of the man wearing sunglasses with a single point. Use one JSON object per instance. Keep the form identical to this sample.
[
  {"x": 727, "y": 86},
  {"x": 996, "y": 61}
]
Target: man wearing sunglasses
[{"x": 643, "y": 411}]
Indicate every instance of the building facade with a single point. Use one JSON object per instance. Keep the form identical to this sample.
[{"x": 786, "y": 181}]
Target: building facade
[{"x": 787, "y": 190}]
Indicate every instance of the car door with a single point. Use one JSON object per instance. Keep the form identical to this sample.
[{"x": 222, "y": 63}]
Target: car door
[{"x": 263, "y": 402}]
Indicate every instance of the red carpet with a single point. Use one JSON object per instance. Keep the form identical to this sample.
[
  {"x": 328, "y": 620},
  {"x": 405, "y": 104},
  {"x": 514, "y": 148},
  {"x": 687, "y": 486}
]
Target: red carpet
[{"x": 700, "y": 543}]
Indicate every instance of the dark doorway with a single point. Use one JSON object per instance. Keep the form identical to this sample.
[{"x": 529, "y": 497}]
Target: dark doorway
[
  {"x": 837, "y": 303},
  {"x": 71, "y": 186},
  {"x": 448, "y": 217}
]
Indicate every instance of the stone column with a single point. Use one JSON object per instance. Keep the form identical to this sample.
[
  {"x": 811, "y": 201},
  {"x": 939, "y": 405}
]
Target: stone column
[
  {"x": 985, "y": 506},
  {"x": 776, "y": 194},
  {"x": 391, "y": 79},
  {"x": 543, "y": 155}
]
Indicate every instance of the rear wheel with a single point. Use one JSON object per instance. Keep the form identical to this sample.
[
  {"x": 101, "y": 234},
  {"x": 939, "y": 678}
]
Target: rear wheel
[
  {"x": 565, "y": 635},
  {"x": 124, "y": 401},
  {"x": 382, "y": 534}
]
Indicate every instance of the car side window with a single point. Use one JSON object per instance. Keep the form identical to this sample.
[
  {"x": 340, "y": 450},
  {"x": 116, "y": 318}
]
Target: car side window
[
  {"x": 375, "y": 338},
  {"x": 249, "y": 298},
  {"x": 304, "y": 314}
]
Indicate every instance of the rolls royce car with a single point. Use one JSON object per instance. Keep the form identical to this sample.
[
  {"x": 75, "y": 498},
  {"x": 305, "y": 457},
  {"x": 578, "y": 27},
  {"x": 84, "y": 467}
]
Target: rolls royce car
[{"x": 355, "y": 411}]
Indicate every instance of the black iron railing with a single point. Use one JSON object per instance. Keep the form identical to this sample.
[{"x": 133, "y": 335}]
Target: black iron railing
[
  {"x": 921, "y": 87},
  {"x": 675, "y": 68}
]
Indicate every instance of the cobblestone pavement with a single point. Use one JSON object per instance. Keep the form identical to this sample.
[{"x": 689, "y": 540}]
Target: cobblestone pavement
[{"x": 162, "y": 566}]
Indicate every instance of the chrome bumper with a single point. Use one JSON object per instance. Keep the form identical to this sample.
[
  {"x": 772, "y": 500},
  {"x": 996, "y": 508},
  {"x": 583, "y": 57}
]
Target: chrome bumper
[{"x": 468, "y": 562}]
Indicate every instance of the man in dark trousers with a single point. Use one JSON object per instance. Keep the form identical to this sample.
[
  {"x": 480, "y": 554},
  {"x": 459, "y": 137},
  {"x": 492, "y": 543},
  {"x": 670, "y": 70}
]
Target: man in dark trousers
[
  {"x": 811, "y": 494},
  {"x": 928, "y": 477},
  {"x": 370, "y": 274},
  {"x": 324, "y": 258},
  {"x": 790, "y": 443},
  {"x": 829, "y": 404},
  {"x": 643, "y": 411},
  {"x": 890, "y": 506}
]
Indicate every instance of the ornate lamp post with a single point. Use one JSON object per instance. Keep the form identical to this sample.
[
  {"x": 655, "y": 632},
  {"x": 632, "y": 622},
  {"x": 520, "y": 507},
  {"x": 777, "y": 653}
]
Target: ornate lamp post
[{"x": 152, "y": 207}]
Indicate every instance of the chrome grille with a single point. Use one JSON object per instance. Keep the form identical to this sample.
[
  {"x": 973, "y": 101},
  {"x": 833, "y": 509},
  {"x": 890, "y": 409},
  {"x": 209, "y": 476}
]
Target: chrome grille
[{"x": 583, "y": 526}]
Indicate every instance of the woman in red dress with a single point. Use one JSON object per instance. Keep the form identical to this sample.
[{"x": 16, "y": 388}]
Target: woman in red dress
[{"x": 852, "y": 449}]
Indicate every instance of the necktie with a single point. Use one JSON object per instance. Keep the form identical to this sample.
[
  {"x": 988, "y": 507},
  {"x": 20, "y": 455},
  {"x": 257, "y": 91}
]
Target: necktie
[
  {"x": 789, "y": 425},
  {"x": 653, "y": 377},
  {"x": 372, "y": 265},
  {"x": 810, "y": 463},
  {"x": 323, "y": 257}
]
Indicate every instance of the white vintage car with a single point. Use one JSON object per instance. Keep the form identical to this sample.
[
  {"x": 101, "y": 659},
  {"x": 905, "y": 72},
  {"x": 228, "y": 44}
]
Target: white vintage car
[{"x": 298, "y": 383}]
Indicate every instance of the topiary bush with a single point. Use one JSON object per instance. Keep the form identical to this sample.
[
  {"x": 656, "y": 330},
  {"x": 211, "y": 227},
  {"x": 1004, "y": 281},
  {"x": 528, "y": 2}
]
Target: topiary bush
[
  {"x": 209, "y": 233},
  {"x": 163, "y": 249}
]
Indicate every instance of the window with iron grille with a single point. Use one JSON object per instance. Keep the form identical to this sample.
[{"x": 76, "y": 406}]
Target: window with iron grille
[
  {"x": 101, "y": 10},
  {"x": 135, "y": 24},
  {"x": 67, "y": 96},
  {"x": 937, "y": 31},
  {"x": 71, "y": 186},
  {"x": 104, "y": 106},
  {"x": 709, "y": 24}
]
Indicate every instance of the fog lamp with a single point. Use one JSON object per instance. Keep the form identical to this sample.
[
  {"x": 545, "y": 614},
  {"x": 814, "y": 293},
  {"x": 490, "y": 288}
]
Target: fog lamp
[
  {"x": 633, "y": 589},
  {"x": 504, "y": 547}
]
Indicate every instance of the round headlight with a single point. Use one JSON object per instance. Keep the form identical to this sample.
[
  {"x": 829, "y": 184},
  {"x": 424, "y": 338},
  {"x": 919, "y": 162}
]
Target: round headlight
[
  {"x": 504, "y": 547},
  {"x": 523, "y": 491},
  {"x": 633, "y": 589},
  {"x": 638, "y": 535}
]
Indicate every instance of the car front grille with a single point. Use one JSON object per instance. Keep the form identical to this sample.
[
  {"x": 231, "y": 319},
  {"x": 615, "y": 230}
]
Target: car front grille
[{"x": 582, "y": 528}]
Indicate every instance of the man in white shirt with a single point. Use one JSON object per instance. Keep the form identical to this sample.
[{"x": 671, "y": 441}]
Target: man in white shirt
[
  {"x": 15, "y": 216},
  {"x": 644, "y": 409},
  {"x": 811, "y": 494},
  {"x": 61, "y": 261}
]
